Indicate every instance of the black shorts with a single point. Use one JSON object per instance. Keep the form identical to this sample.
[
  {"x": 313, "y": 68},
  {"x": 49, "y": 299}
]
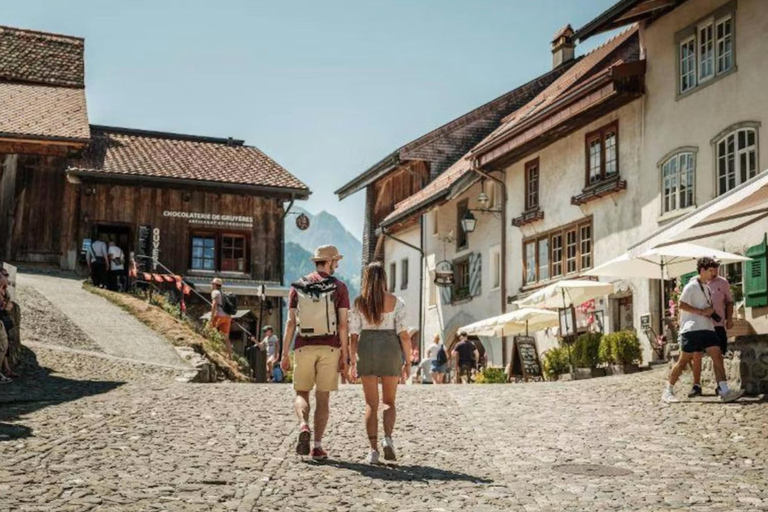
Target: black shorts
[
  {"x": 722, "y": 337},
  {"x": 698, "y": 341}
]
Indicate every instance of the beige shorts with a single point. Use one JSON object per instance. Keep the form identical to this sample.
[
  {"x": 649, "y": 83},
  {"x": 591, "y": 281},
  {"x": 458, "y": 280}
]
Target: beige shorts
[{"x": 316, "y": 366}]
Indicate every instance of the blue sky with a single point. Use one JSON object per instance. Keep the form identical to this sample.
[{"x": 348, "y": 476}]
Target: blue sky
[{"x": 326, "y": 88}]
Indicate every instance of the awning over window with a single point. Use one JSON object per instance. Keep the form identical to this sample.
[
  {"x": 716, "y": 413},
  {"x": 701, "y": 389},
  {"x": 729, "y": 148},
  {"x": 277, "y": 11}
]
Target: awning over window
[{"x": 729, "y": 213}]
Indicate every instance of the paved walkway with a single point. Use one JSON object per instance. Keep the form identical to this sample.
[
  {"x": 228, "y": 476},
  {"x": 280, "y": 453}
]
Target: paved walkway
[
  {"x": 97, "y": 436},
  {"x": 116, "y": 332}
]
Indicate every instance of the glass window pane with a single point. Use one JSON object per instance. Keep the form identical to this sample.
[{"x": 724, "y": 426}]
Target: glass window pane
[
  {"x": 706, "y": 52},
  {"x": 530, "y": 262},
  {"x": 543, "y": 259},
  {"x": 208, "y": 265},
  {"x": 586, "y": 246},
  {"x": 570, "y": 251}
]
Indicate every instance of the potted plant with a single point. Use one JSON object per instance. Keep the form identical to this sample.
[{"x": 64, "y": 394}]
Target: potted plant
[
  {"x": 586, "y": 356},
  {"x": 555, "y": 363},
  {"x": 622, "y": 350}
]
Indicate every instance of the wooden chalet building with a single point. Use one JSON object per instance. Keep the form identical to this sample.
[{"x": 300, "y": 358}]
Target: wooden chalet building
[{"x": 202, "y": 207}]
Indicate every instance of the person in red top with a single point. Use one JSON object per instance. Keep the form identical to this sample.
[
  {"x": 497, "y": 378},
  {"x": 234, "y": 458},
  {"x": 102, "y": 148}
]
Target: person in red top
[{"x": 318, "y": 306}]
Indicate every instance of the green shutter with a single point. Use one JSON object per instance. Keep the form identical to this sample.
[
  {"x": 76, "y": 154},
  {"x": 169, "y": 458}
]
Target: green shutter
[
  {"x": 755, "y": 278},
  {"x": 687, "y": 277}
]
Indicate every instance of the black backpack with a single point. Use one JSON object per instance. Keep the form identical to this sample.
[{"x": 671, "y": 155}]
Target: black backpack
[
  {"x": 442, "y": 357},
  {"x": 229, "y": 303}
]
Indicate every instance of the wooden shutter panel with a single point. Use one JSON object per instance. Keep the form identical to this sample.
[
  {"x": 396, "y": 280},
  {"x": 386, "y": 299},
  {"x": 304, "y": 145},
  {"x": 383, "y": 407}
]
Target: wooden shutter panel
[
  {"x": 687, "y": 277},
  {"x": 755, "y": 276},
  {"x": 475, "y": 274},
  {"x": 445, "y": 294}
]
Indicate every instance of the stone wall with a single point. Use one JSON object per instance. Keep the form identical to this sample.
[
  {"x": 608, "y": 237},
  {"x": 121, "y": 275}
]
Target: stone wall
[{"x": 746, "y": 365}]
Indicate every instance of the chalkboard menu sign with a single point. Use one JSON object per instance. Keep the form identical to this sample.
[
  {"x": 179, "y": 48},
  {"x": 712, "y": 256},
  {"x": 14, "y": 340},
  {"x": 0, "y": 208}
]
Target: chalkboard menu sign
[
  {"x": 525, "y": 358},
  {"x": 145, "y": 248}
]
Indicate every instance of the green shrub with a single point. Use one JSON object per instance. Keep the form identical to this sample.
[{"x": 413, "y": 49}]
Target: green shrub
[
  {"x": 605, "y": 352},
  {"x": 586, "y": 350},
  {"x": 623, "y": 347},
  {"x": 555, "y": 362},
  {"x": 491, "y": 376}
]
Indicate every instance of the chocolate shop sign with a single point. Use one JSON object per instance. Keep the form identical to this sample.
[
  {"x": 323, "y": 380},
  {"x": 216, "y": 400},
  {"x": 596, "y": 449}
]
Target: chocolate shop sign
[{"x": 212, "y": 219}]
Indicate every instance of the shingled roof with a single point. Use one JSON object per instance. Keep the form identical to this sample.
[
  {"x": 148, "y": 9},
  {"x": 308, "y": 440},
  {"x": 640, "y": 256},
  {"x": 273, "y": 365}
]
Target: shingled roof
[
  {"x": 170, "y": 157},
  {"x": 588, "y": 66},
  {"x": 42, "y": 81}
]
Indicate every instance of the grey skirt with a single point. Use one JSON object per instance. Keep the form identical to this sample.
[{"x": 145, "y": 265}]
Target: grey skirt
[{"x": 379, "y": 353}]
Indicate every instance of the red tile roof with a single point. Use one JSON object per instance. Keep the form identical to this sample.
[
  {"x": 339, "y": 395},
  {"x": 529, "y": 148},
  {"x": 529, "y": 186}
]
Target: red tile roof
[
  {"x": 120, "y": 151},
  {"x": 34, "y": 111},
  {"x": 42, "y": 83},
  {"x": 40, "y": 57},
  {"x": 582, "y": 71}
]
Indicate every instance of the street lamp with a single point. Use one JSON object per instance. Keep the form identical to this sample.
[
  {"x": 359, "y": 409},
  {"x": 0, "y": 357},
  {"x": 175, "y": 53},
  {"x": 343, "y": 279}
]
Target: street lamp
[{"x": 468, "y": 222}]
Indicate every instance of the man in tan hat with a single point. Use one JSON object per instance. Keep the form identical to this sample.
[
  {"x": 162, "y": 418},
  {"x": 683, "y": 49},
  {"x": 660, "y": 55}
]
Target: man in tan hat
[
  {"x": 220, "y": 319},
  {"x": 318, "y": 306}
]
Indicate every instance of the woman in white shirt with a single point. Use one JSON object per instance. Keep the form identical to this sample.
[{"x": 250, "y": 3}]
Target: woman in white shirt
[
  {"x": 380, "y": 342},
  {"x": 438, "y": 370}
]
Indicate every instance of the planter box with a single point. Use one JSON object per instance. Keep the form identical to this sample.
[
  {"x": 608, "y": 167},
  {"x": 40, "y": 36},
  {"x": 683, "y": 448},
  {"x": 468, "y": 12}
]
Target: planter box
[
  {"x": 623, "y": 369},
  {"x": 599, "y": 372}
]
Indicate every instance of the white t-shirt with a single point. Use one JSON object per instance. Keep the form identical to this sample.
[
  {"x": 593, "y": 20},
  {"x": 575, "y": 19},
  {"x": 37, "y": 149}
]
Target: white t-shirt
[
  {"x": 392, "y": 320},
  {"x": 699, "y": 296},
  {"x": 116, "y": 252},
  {"x": 98, "y": 250},
  {"x": 433, "y": 350},
  {"x": 218, "y": 299}
]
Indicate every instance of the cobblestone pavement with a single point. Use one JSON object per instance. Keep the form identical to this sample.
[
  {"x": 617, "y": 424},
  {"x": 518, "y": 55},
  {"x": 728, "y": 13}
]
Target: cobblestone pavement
[
  {"x": 101, "y": 435},
  {"x": 110, "y": 329}
]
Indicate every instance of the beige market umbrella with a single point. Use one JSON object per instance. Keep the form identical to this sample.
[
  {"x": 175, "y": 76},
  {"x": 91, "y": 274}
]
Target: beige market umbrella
[
  {"x": 516, "y": 322},
  {"x": 566, "y": 293}
]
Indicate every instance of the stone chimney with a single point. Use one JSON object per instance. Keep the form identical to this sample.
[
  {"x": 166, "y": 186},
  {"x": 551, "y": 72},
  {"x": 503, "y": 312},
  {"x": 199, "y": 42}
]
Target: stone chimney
[{"x": 563, "y": 47}]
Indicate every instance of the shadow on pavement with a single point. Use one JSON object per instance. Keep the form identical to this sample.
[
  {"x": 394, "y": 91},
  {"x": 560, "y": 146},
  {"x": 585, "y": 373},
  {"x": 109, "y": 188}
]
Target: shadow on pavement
[
  {"x": 37, "y": 389},
  {"x": 406, "y": 473}
]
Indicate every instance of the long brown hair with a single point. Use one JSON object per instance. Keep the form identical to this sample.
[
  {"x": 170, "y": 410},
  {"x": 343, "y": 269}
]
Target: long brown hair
[{"x": 372, "y": 292}]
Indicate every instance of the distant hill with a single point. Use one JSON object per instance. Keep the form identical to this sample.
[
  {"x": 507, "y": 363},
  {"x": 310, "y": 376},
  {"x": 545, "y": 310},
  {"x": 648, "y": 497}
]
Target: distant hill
[{"x": 324, "y": 228}]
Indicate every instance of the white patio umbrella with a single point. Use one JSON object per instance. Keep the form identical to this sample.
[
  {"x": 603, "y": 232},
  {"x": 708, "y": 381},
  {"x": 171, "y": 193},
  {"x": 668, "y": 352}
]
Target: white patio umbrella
[
  {"x": 666, "y": 262},
  {"x": 662, "y": 262},
  {"x": 566, "y": 293},
  {"x": 515, "y": 322}
]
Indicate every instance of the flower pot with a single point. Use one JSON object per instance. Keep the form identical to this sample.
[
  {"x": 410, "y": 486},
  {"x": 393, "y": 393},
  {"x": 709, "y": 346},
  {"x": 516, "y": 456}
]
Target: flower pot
[
  {"x": 582, "y": 373},
  {"x": 623, "y": 369}
]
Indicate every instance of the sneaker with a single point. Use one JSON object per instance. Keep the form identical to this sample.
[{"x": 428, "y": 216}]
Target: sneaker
[
  {"x": 389, "y": 449},
  {"x": 4, "y": 379},
  {"x": 319, "y": 454},
  {"x": 302, "y": 447},
  {"x": 695, "y": 391},
  {"x": 373, "y": 457},
  {"x": 669, "y": 397},
  {"x": 731, "y": 395}
]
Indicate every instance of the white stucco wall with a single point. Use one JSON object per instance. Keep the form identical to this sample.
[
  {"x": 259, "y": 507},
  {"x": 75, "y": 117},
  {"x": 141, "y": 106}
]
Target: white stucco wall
[
  {"x": 616, "y": 219},
  {"x": 445, "y": 319},
  {"x": 695, "y": 119},
  {"x": 394, "y": 253}
]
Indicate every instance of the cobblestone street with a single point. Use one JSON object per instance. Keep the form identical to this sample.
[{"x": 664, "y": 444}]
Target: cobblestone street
[{"x": 100, "y": 434}]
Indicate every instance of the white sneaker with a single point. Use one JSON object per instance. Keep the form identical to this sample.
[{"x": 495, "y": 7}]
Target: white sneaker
[
  {"x": 4, "y": 379},
  {"x": 731, "y": 395},
  {"x": 669, "y": 397},
  {"x": 373, "y": 457},
  {"x": 389, "y": 449}
]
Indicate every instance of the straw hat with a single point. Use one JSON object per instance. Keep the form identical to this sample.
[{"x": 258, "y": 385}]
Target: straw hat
[
  {"x": 327, "y": 253},
  {"x": 217, "y": 281}
]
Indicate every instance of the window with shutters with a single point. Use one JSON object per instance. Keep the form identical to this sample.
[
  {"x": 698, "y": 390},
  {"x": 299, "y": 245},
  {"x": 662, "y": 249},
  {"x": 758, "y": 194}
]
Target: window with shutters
[
  {"x": 736, "y": 157},
  {"x": 705, "y": 50},
  {"x": 461, "y": 275},
  {"x": 563, "y": 251}
]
